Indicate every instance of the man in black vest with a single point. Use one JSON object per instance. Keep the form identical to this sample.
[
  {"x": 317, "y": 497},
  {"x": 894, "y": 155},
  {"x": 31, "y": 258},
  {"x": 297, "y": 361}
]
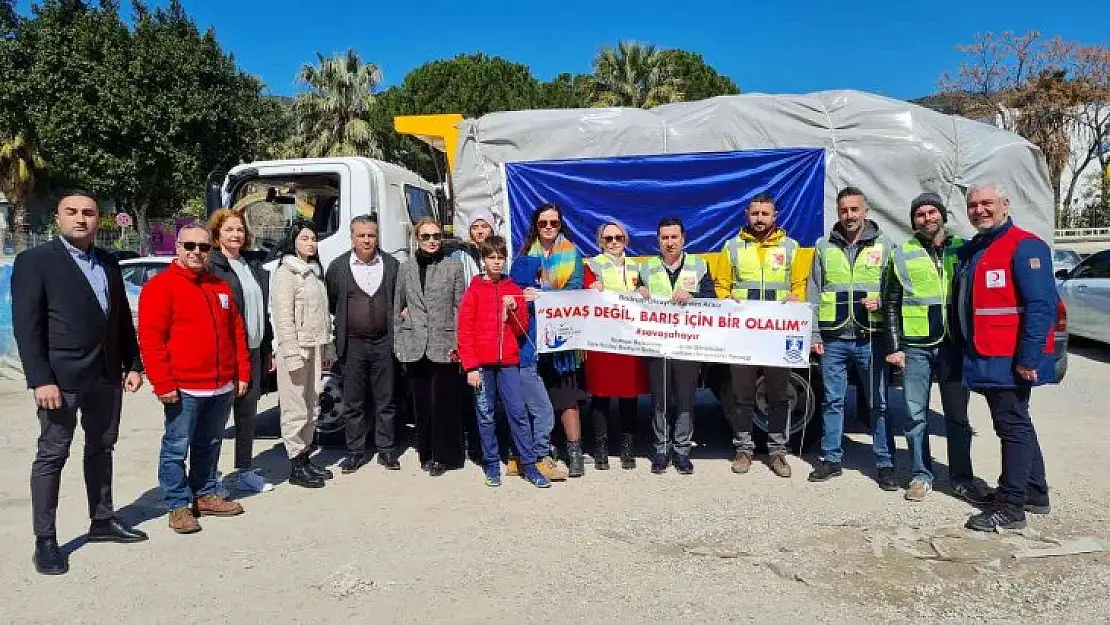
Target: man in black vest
[
  {"x": 360, "y": 294},
  {"x": 77, "y": 342}
]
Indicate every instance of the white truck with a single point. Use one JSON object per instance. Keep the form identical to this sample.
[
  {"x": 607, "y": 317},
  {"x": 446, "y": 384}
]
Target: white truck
[{"x": 330, "y": 192}]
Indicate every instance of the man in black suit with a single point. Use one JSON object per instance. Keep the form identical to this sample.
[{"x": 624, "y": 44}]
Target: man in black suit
[
  {"x": 77, "y": 342},
  {"x": 360, "y": 287}
]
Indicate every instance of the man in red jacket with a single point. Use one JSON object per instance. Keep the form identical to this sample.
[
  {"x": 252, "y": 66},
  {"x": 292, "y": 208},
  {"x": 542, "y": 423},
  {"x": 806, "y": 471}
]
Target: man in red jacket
[{"x": 189, "y": 313}]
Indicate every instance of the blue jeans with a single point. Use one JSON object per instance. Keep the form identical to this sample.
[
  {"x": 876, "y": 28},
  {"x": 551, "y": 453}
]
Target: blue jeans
[
  {"x": 506, "y": 383},
  {"x": 921, "y": 364},
  {"x": 194, "y": 428},
  {"x": 871, "y": 369},
  {"x": 538, "y": 403}
]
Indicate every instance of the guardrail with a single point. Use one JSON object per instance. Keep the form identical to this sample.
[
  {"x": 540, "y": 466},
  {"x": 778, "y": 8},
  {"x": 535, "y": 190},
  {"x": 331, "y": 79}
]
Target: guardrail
[{"x": 1064, "y": 235}]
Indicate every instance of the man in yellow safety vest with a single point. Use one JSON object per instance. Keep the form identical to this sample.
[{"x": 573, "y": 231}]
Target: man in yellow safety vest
[
  {"x": 917, "y": 299},
  {"x": 676, "y": 276},
  {"x": 761, "y": 266},
  {"x": 844, "y": 286}
]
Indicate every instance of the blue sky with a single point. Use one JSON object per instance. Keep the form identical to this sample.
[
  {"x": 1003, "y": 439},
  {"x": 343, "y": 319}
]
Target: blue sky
[{"x": 784, "y": 47}]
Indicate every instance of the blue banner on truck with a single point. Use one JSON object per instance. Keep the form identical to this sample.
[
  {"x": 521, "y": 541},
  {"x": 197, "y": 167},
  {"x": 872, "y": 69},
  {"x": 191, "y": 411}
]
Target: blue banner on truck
[{"x": 709, "y": 191}]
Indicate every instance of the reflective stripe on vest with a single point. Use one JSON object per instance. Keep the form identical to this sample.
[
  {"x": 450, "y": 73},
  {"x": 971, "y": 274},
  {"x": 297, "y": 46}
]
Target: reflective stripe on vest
[
  {"x": 768, "y": 280},
  {"x": 995, "y": 306},
  {"x": 845, "y": 284},
  {"x": 620, "y": 278},
  {"x": 658, "y": 283},
  {"x": 925, "y": 291}
]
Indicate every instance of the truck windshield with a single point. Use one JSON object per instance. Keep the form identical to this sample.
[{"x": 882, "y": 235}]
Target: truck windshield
[{"x": 270, "y": 205}]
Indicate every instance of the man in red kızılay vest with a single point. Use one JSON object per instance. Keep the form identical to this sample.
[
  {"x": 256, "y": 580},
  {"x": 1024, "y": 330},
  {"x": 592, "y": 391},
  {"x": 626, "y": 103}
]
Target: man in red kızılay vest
[{"x": 1006, "y": 307}]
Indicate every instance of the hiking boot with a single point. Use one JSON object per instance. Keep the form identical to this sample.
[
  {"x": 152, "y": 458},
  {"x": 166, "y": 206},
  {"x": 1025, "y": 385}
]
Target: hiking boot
[
  {"x": 779, "y": 465},
  {"x": 182, "y": 521},
  {"x": 975, "y": 491},
  {"x": 628, "y": 452},
  {"x": 997, "y": 519},
  {"x": 659, "y": 464},
  {"x": 216, "y": 505},
  {"x": 825, "y": 471},
  {"x": 683, "y": 465},
  {"x": 535, "y": 478},
  {"x": 551, "y": 470},
  {"x": 887, "y": 477},
  {"x": 251, "y": 482},
  {"x": 512, "y": 467},
  {"x": 601, "y": 454},
  {"x": 918, "y": 490},
  {"x": 576, "y": 464},
  {"x": 742, "y": 463},
  {"x": 493, "y": 474}
]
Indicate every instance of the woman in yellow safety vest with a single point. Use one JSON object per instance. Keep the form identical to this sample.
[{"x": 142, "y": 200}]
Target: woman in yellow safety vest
[{"x": 614, "y": 376}]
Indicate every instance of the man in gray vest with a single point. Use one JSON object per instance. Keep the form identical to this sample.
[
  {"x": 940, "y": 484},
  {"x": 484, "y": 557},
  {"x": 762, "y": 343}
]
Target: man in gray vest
[{"x": 360, "y": 294}]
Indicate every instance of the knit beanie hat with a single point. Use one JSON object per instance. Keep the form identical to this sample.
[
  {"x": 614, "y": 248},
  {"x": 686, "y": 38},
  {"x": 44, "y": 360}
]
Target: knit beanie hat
[
  {"x": 480, "y": 214},
  {"x": 928, "y": 199}
]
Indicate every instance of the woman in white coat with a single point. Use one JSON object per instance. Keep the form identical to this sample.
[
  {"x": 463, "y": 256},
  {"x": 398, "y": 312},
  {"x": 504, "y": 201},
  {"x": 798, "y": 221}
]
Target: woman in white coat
[{"x": 303, "y": 347}]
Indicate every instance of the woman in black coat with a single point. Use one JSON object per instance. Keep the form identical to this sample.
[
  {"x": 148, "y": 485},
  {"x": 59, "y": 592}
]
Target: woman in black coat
[{"x": 250, "y": 286}]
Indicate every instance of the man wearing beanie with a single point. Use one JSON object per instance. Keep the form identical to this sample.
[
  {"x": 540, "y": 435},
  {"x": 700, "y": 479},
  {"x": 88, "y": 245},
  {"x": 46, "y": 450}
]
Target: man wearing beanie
[{"x": 918, "y": 298}]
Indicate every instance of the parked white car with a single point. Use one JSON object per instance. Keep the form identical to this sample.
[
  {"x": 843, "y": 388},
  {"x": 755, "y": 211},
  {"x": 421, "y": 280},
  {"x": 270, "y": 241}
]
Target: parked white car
[
  {"x": 1065, "y": 259},
  {"x": 136, "y": 272},
  {"x": 1085, "y": 290}
]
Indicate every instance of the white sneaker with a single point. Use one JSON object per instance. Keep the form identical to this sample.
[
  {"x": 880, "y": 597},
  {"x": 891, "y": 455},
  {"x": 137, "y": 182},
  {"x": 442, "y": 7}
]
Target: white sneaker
[{"x": 251, "y": 481}]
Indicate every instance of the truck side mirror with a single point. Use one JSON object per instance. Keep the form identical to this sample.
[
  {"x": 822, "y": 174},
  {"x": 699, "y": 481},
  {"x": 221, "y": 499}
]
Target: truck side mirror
[{"x": 1063, "y": 273}]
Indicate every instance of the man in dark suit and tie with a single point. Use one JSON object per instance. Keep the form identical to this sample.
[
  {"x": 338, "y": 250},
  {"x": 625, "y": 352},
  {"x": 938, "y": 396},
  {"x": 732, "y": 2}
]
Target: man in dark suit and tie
[{"x": 76, "y": 339}]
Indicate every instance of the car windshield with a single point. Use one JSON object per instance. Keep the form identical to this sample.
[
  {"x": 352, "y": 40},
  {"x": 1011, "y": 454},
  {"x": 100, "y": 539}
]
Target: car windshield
[{"x": 1065, "y": 256}]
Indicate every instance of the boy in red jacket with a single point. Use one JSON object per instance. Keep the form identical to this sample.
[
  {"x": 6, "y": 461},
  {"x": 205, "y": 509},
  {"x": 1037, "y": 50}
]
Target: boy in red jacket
[
  {"x": 491, "y": 317},
  {"x": 194, "y": 346}
]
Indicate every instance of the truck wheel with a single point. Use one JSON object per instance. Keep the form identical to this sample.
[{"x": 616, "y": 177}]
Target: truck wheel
[
  {"x": 803, "y": 428},
  {"x": 330, "y": 427}
]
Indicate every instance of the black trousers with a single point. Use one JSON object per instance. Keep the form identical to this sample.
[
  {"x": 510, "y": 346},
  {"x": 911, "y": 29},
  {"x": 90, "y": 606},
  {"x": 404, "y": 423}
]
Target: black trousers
[
  {"x": 439, "y": 428},
  {"x": 600, "y": 408},
  {"x": 368, "y": 374},
  {"x": 244, "y": 412},
  {"x": 776, "y": 384},
  {"x": 1022, "y": 463},
  {"x": 100, "y": 411}
]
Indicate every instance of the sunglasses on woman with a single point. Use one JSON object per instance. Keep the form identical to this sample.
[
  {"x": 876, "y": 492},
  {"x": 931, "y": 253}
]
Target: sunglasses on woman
[
  {"x": 431, "y": 236},
  {"x": 548, "y": 223},
  {"x": 609, "y": 238},
  {"x": 190, "y": 246}
]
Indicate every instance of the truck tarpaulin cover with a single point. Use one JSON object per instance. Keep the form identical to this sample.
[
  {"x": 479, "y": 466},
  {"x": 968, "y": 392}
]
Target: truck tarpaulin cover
[
  {"x": 708, "y": 191},
  {"x": 892, "y": 150}
]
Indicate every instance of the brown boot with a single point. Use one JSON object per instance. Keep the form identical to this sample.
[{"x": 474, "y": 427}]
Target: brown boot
[
  {"x": 216, "y": 505},
  {"x": 742, "y": 462},
  {"x": 550, "y": 470},
  {"x": 182, "y": 521},
  {"x": 512, "y": 467},
  {"x": 779, "y": 466}
]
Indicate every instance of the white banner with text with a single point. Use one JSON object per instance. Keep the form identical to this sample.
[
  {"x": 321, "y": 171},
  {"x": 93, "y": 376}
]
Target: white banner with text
[{"x": 707, "y": 330}]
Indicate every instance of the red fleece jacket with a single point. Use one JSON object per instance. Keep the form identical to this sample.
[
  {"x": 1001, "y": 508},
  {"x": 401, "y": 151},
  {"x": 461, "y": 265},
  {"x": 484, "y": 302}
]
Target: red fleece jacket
[
  {"x": 485, "y": 337},
  {"x": 191, "y": 335}
]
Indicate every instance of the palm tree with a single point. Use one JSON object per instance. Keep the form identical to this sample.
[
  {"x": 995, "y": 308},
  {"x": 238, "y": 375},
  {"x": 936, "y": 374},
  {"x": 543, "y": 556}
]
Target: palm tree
[
  {"x": 635, "y": 75},
  {"x": 20, "y": 162},
  {"x": 332, "y": 119}
]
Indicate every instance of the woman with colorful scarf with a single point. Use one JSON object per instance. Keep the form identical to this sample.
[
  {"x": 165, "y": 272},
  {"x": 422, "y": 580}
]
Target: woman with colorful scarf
[{"x": 560, "y": 268}]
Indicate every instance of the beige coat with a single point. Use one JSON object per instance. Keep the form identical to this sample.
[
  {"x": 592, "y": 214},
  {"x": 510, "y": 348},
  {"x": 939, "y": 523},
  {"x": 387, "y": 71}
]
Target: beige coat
[{"x": 299, "y": 307}]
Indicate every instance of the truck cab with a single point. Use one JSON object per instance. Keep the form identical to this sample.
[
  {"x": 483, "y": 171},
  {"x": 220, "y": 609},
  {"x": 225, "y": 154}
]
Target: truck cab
[{"x": 330, "y": 192}]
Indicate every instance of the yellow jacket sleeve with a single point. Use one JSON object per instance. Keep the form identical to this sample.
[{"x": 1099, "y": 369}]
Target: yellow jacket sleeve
[
  {"x": 720, "y": 265},
  {"x": 799, "y": 272}
]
